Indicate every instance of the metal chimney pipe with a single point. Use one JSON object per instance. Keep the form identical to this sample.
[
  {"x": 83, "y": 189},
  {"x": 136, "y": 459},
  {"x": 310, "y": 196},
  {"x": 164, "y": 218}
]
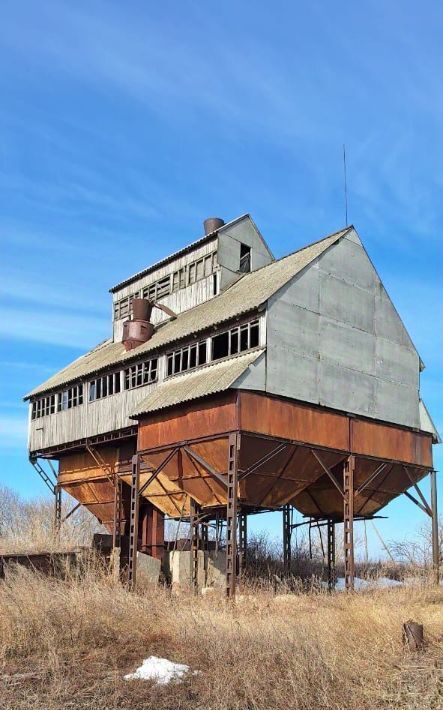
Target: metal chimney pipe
[
  {"x": 138, "y": 330},
  {"x": 141, "y": 309},
  {"x": 211, "y": 224}
]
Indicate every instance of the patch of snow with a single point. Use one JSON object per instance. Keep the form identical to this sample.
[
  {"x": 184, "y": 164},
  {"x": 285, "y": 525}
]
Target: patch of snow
[
  {"x": 360, "y": 583},
  {"x": 159, "y": 669}
]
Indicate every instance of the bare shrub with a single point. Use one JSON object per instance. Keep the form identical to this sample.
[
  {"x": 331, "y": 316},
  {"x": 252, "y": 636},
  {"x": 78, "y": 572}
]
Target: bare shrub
[{"x": 28, "y": 526}]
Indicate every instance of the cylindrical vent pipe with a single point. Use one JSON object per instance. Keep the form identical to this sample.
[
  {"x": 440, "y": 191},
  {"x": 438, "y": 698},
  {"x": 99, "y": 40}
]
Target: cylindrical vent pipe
[
  {"x": 138, "y": 330},
  {"x": 141, "y": 309},
  {"x": 211, "y": 224}
]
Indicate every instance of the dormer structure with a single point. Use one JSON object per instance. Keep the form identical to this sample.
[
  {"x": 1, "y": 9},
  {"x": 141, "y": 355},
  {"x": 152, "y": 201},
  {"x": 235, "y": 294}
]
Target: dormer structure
[{"x": 196, "y": 273}]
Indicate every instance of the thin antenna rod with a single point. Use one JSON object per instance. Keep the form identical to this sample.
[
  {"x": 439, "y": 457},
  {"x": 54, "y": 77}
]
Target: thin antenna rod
[{"x": 346, "y": 187}]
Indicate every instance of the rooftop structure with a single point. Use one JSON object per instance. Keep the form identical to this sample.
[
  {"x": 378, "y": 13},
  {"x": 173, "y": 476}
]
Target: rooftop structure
[{"x": 234, "y": 383}]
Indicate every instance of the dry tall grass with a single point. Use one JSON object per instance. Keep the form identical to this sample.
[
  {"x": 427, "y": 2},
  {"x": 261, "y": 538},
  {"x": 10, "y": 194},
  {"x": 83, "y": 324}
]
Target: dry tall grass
[
  {"x": 67, "y": 644},
  {"x": 28, "y": 526}
]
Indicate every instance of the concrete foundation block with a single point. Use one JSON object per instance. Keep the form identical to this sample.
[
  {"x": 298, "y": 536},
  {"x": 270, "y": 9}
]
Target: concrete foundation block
[
  {"x": 148, "y": 570},
  {"x": 211, "y": 569}
]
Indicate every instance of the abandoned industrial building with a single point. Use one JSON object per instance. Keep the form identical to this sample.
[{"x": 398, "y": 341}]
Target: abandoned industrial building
[{"x": 235, "y": 383}]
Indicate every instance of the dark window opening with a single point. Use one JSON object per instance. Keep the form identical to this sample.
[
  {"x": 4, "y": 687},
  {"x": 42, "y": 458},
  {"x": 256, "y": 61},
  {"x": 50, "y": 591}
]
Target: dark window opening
[
  {"x": 193, "y": 356},
  {"x": 220, "y": 346},
  {"x": 202, "y": 353},
  {"x": 245, "y": 258},
  {"x": 234, "y": 342},
  {"x": 244, "y": 338},
  {"x": 254, "y": 335}
]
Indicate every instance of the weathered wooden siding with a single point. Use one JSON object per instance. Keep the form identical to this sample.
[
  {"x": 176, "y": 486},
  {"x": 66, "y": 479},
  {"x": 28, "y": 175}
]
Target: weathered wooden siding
[
  {"x": 178, "y": 301},
  {"x": 86, "y": 420}
]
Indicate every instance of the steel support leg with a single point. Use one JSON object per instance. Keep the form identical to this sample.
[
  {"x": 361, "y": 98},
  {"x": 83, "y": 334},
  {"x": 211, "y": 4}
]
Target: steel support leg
[
  {"x": 57, "y": 509},
  {"x": 194, "y": 530},
  {"x": 287, "y": 534},
  {"x": 435, "y": 531},
  {"x": 116, "y": 530},
  {"x": 348, "y": 521},
  {"x": 242, "y": 542},
  {"x": 133, "y": 522},
  {"x": 331, "y": 555},
  {"x": 204, "y": 539},
  {"x": 231, "y": 514}
]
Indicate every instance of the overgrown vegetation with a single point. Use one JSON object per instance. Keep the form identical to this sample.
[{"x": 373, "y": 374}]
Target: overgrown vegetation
[
  {"x": 28, "y": 526},
  {"x": 67, "y": 643}
]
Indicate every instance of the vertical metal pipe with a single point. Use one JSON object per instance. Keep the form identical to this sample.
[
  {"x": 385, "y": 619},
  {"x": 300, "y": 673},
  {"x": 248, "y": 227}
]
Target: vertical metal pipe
[
  {"x": 116, "y": 530},
  {"x": 331, "y": 555},
  {"x": 243, "y": 542},
  {"x": 287, "y": 534},
  {"x": 231, "y": 514},
  {"x": 133, "y": 522},
  {"x": 348, "y": 521},
  {"x": 57, "y": 510},
  {"x": 435, "y": 531},
  {"x": 204, "y": 539},
  {"x": 195, "y": 544}
]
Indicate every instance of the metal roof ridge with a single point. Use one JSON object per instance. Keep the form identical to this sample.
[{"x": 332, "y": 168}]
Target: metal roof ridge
[{"x": 175, "y": 254}]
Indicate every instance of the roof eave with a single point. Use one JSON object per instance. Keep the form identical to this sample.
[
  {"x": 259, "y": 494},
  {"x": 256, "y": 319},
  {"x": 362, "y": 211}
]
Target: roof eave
[{"x": 181, "y": 252}]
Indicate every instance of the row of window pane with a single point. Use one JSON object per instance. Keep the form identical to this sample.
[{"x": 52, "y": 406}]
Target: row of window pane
[
  {"x": 232, "y": 341},
  {"x": 43, "y": 406},
  {"x": 134, "y": 376},
  {"x": 235, "y": 340},
  {"x": 141, "y": 374},
  {"x": 189, "y": 274},
  {"x": 186, "y": 358},
  {"x": 59, "y": 402},
  {"x": 104, "y": 386}
]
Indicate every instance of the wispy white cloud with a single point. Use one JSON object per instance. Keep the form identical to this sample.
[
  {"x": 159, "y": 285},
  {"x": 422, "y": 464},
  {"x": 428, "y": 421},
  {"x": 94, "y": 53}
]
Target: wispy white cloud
[
  {"x": 13, "y": 432},
  {"x": 54, "y": 328},
  {"x": 33, "y": 288},
  {"x": 23, "y": 365}
]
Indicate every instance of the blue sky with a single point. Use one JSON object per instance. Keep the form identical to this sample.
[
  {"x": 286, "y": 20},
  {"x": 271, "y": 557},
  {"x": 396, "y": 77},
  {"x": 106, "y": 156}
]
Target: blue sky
[{"x": 123, "y": 125}]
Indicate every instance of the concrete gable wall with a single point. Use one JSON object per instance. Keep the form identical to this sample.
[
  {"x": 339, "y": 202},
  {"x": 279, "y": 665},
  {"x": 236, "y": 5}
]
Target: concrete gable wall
[
  {"x": 229, "y": 240},
  {"x": 335, "y": 339}
]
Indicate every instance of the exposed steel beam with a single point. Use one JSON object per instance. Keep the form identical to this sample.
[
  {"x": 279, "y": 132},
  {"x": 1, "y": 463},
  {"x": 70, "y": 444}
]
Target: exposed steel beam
[
  {"x": 420, "y": 494},
  {"x": 210, "y": 469},
  {"x": 371, "y": 479},
  {"x": 328, "y": 472}
]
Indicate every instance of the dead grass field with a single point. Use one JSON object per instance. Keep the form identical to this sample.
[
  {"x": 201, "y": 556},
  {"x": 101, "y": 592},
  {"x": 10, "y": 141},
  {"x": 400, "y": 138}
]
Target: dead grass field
[{"x": 67, "y": 644}]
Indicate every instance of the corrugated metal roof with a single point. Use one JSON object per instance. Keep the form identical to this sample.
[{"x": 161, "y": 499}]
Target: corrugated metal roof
[
  {"x": 175, "y": 255},
  {"x": 245, "y": 295},
  {"x": 193, "y": 385}
]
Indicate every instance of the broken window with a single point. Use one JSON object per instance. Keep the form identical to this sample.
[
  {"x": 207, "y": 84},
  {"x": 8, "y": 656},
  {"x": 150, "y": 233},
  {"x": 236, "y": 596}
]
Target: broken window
[
  {"x": 143, "y": 373},
  {"x": 242, "y": 337},
  {"x": 186, "y": 358},
  {"x": 220, "y": 346},
  {"x": 43, "y": 406},
  {"x": 180, "y": 278},
  {"x": 69, "y": 398},
  {"x": 245, "y": 258}
]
